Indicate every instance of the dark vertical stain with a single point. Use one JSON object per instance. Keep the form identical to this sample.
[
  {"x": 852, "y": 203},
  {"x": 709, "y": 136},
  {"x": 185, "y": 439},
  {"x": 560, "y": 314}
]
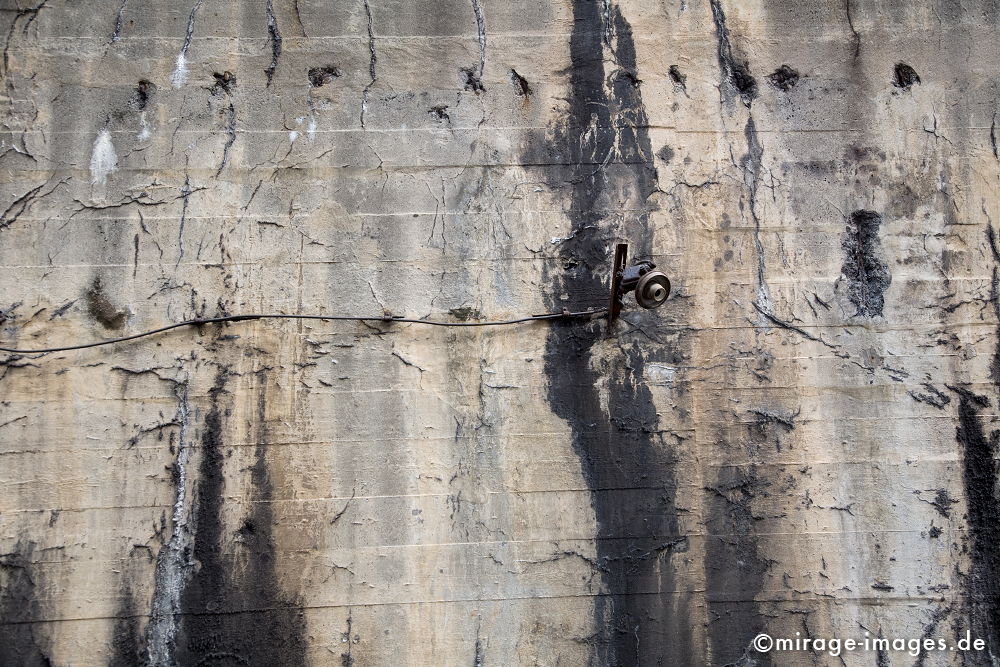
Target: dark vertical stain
[
  {"x": 135, "y": 264},
  {"x": 980, "y": 477},
  {"x": 126, "y": 641},
  {"x": 233, "y": 609},
  {"x": 995, "y": 300},
  {"x": 866, "y": 271},
  {"x": 19, "y": 607},
  {"x": 734, "y": 571},
  {"x": 606, "y": 156},
  {"x": 993, "y": 136}
]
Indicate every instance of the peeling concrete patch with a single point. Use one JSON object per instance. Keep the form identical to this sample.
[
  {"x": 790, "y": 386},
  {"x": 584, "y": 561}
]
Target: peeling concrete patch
[
  {"x": 660, "y": 374},
  {"x": 101, "y": 308},
  {"x": 521, "y": 85},
  {"x": 864, "y": 267},
  {"x": 320, "y": 76},
  {"x": 784, "y": 78},
  {"x": 679, "y": 78}
]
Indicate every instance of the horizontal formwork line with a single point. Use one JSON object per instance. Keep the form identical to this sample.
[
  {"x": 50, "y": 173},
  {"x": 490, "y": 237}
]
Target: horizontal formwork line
[
  {"x": 694, "y": 329},
  {"x": 706, "y": 36},
  {"x": 556, "y": 543},
  {"x": 510, "y": 441},
  {"x": 251, "y": 502},
  {"x": 558, "y": 546},
  {"x": 509, "y": 453},
  {"x": 822, "y": 597},
  {"x": 479, "y": 129}
]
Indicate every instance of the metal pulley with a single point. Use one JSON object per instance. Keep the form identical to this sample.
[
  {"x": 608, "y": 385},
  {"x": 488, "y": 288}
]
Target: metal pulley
[{"x": 651, "y": 287}]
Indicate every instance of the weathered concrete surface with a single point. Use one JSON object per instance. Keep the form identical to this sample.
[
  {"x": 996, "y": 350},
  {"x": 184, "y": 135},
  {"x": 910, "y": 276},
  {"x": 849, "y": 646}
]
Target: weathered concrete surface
[{"x": 802, "y": 440}]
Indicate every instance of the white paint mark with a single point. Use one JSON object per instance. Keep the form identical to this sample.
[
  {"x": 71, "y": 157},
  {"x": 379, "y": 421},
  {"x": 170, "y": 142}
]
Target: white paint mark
[
  {"x": 173, "y": 561},
  {"x": 103, "y": 160},
  {"x": 660, "y": 374},
  {"x": 145, "y": 129},
  {"x": 311, "y": 129},
  {"x": 292, "y": 136},
  {"x": 180, "y": 73}
]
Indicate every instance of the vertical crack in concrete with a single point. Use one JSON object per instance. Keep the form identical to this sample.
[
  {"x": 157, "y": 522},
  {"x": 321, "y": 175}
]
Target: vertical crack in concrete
[
  {"x": 993, "y": 136},
  {"x": 752, "y": 166},
  {"x": 854, "y": 31},
  {"x": 736, "y": 77},
  {"x": 734, "y": 568},
  {"x": 274, "y": 37},
  {"x": 230, "y": 137},
  {"x": 638, "y": 617},
  {"x": 481, "y": 31},
  {"x": 980, "y": 471},
  {"x": 180, "y": 73},
  {"x": 185, "y": 194},
  {"x": 31, "y": 14},
  {"x": 991, "y": 237},
  {"x": 116, "y": 34},
  {"x": 371, "y": 63},
  {"x": 173, "y": 559}
]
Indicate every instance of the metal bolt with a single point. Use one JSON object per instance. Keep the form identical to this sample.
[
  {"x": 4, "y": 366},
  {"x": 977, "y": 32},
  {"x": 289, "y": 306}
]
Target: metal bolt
[{"x": 656, "y": 292}]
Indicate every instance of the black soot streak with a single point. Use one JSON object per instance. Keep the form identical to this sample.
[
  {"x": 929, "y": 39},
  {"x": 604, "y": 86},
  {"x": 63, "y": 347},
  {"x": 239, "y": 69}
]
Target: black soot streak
[
  {"x": 126, "y": 640},
  {"x": 980, "y": 471},
  {"x": 640, "y": 618},
  {"x": 866, "y": 271},
  {"x": 19, "y": 605},
  {"x": 234, "y": 611}
]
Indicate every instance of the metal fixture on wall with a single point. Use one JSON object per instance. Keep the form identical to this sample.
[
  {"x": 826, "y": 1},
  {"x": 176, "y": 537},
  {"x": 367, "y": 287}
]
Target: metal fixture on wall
[{"x": 651, "y": 287}]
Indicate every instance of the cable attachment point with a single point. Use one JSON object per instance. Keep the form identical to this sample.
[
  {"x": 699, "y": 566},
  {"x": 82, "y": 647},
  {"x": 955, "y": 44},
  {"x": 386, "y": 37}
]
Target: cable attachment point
[{"x": 651, "y": 287}]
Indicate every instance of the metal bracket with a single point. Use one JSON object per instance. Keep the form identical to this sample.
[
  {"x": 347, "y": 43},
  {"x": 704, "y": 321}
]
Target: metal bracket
[
  {"x": 651, "y": 287},
  {"x": 617, "y": 269}
]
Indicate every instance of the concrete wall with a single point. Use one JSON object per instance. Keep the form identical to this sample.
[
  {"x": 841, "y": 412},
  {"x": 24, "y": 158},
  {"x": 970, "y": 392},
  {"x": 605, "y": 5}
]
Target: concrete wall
[{"x": 802, "y": 440}]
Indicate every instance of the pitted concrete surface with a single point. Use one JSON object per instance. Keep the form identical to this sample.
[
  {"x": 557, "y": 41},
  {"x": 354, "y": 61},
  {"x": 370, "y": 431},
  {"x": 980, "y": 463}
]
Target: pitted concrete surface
[{"x": 802, "y": 440}]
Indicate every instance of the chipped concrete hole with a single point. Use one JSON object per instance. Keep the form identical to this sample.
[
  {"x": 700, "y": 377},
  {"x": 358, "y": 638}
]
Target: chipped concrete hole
[
  {"x": 802, "y": 440},
  {"x": 320, "y": 76}
]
